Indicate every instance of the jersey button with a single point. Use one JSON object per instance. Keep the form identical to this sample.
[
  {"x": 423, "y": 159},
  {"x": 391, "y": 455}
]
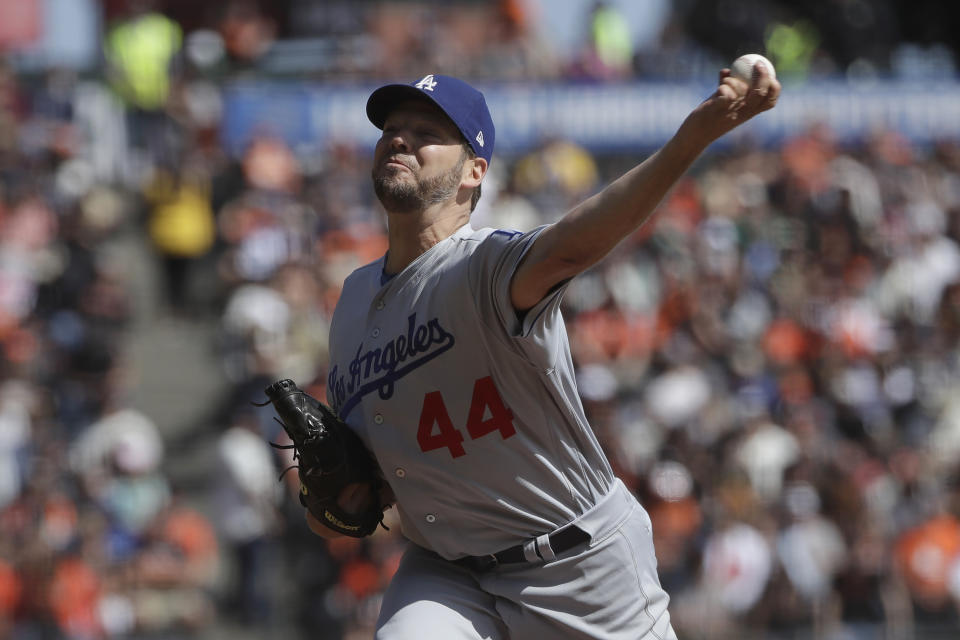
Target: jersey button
[
  {"x": 376, "y": 332},
  {"x": 431, "y": 518},
  {"x": 380, "y": 304},
  {"x": 400, "y": 471},
  {"x": 378, "y": 419}
]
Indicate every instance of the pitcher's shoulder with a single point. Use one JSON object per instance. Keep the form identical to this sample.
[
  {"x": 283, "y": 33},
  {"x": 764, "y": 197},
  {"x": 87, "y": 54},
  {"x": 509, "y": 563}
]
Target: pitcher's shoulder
[
  {"x": 492, "y": 236},
  {"x": 364, "y": 273}
]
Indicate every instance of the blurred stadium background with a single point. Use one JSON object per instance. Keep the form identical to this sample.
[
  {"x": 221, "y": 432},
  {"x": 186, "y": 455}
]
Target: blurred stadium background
[{"x": 772, "y": 362}]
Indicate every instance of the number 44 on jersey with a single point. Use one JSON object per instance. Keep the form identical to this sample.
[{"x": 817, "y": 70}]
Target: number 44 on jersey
[{"x": 436, "y": 429}]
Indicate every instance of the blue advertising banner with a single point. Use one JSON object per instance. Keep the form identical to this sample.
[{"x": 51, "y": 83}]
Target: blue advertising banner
[{"x": 603, "y": 118}]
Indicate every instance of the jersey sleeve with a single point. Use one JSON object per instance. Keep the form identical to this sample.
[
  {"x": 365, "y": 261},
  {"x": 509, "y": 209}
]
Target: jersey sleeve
[{"x": 491, "y": 271}]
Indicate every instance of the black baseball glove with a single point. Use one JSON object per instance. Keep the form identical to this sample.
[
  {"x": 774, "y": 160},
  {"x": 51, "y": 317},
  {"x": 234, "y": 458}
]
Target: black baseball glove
[{"x": 330, "y": 457}]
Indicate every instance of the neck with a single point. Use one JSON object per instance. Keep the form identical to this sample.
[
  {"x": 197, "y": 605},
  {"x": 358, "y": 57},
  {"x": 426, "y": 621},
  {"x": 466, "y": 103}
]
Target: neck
[{"x": 411, "y": 235}]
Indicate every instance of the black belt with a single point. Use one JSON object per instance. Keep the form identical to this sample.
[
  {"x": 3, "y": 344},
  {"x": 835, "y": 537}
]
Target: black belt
[{"x": 560, "y": 541}]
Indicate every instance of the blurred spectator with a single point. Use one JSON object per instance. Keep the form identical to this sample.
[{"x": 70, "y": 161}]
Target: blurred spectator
[
  {"x": 811, "y": 548},
  {"x": 928, "y": 556},
  {"x": 737, "y": 564},
  {"x": 10, "y": 594},
  {"x": 118, "y": 459},
  {"x": 267, "y": 224},
  {"x": 247, "y": 33},
  {"x": 142, "y": 49},
  {"x": 247, "y": 497},
  {"x": 607, "y": 52},
  {"x": 16, "y": 398},
  {"x": 518, "y": 50},
  {"x": 174, "y": 571},
  {"x": 555, "y": 176},
  {"x": 181, "y": 226}
]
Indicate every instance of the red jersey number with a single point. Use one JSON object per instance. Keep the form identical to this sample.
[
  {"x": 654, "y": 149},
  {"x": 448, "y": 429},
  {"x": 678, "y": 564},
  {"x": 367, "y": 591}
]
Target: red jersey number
[
  {"x": 488, "y": 413},
  {"x": 434, "y": 413},
  {"x": 485, "y": 396}
]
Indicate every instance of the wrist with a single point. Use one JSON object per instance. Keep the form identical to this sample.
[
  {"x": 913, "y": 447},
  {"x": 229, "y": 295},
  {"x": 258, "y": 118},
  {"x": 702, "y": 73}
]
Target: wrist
[
  {"x": 695, "y": 134},
  {"x": 689, "y": 141}
]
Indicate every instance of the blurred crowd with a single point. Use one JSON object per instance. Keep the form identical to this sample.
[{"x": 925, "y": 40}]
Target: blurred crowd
[{"x": 771, "y": 362}]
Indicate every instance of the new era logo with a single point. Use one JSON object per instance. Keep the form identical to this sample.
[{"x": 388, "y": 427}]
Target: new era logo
[
  {"x": 427, "y": 84},
  {"x": 480, "y": 138}
]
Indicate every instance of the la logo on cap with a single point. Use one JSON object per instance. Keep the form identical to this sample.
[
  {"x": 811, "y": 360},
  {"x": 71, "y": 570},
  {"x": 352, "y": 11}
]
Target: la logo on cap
[{"x": 427, "y": 84}]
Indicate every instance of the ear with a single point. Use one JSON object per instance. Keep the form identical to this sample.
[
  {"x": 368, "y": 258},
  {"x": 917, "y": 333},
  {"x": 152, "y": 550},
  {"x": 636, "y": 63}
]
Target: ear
[{"x": 473, "y": 171}]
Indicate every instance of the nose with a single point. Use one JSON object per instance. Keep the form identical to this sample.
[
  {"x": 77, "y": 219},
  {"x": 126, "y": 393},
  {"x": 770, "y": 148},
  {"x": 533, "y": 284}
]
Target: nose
[{"x": 397, "y": 141}]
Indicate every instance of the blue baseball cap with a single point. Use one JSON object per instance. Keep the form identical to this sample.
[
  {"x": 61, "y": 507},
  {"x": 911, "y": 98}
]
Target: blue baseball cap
[{"x": 463, "y": 104}]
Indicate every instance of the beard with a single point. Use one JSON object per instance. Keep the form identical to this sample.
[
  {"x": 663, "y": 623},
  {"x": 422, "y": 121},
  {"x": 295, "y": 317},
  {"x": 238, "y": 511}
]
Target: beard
[{"x": 400, "y": 196}]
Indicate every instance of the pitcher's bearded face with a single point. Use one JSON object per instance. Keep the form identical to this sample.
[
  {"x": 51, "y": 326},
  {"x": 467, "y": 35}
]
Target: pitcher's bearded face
[
  {"x": 419, "y": 159},
  {"x": 405, "y": 189}
]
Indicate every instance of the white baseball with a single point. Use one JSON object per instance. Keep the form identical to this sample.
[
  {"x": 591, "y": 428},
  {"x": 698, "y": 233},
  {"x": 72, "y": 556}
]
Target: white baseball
[{"x": 742, "y": 67}]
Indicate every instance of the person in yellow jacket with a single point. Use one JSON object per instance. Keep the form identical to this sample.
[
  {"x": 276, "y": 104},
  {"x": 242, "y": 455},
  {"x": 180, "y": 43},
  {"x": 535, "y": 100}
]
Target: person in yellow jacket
[{"x": 181, "y": 227}]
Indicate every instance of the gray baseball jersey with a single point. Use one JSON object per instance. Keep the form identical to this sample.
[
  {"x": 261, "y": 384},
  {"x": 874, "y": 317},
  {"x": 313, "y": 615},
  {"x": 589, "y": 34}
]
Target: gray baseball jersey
[{"x": 471, "y": 411}]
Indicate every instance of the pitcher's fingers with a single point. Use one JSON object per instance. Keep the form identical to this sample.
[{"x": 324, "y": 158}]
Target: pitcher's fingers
[
  {"x": 727, "y": 93},
  {"x": 764, "y": 95},
  {"x": 773, "y": 94},
  {"x": 739, "y": 86},
  {"x": 759, "y": 74}
]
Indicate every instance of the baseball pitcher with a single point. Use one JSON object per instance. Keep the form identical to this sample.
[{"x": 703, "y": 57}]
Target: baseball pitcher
[{"x": 450, "y": 365}]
